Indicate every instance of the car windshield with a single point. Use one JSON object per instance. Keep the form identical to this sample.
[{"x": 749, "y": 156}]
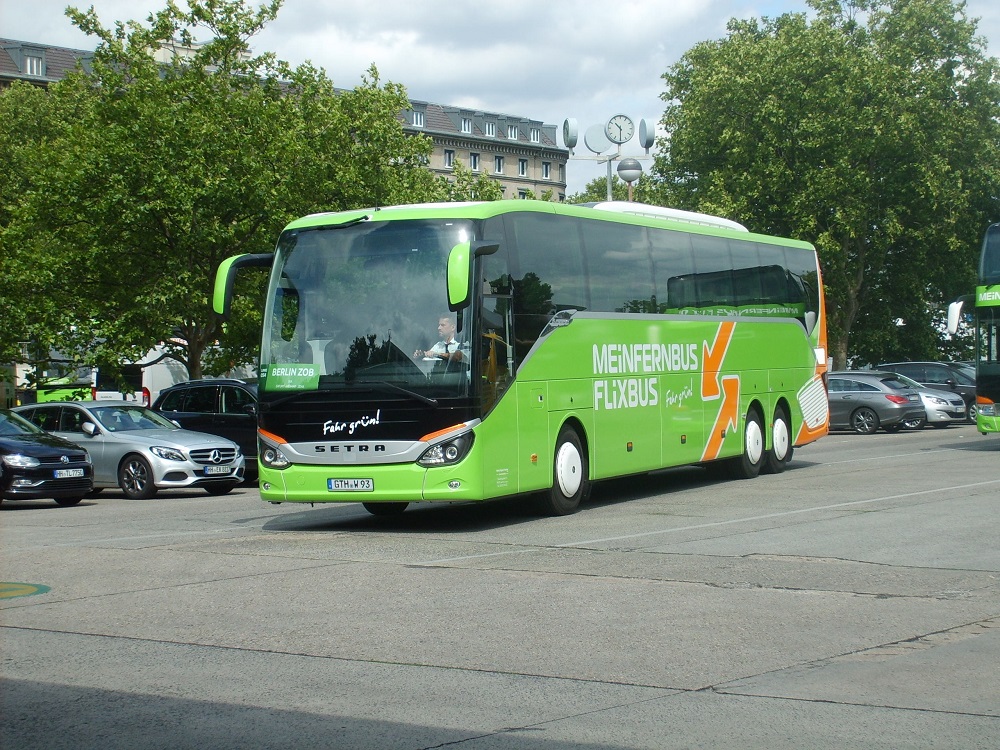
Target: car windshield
[
  {"x": 12, "y": 424},
  {"x": 894, "y": 382},
  {"x": 120, "y": 418},
  {"x": 908, "y": 382}
]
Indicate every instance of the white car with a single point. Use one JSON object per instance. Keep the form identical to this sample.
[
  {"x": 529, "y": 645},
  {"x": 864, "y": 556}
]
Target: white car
[
  {"x": 942, "y": 407},
  {"x": 138, "y": 450}
]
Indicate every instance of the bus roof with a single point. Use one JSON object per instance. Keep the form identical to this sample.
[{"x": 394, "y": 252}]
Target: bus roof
[{"x": 628, "y": 212}]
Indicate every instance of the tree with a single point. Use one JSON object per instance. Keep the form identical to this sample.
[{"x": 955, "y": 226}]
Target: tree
[
  {"x": 468, "y": 186},
  {"x": 644, "y": 191},
  {"x": 871, "y": 130},
  {"x": 160, "y": 167}
]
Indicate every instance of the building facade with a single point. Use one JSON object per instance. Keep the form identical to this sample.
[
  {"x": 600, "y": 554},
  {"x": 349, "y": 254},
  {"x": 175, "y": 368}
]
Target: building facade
[{"x": 520, "y": 153}]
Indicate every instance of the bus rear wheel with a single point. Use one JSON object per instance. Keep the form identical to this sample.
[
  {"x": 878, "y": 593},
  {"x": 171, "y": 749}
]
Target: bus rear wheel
[
  {"x": 385, "y": 509},
  {"x": 781, "y": 444},
  {"x": 748, "y": 465},
  {"x": 570, "y": 477}
]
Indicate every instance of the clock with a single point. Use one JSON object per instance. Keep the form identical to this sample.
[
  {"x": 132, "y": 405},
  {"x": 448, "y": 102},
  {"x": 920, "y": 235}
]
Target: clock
[{"x": 619, "y": 129}]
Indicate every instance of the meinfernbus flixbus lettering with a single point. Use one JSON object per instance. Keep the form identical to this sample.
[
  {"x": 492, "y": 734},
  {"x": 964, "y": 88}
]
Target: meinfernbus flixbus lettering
[
  {"x": 467, "y": 351},
  {"x": 987, "y": 322}
]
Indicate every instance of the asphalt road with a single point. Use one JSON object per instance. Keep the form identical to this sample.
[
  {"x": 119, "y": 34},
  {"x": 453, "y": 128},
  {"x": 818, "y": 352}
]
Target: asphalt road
[{"x": 850, "y": 602}]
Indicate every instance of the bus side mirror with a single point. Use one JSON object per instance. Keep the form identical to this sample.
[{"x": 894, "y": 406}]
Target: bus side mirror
[
  {"x": 954, "y": 315},
  {"x": 460, "y": 268},
  {"x": 225, "y": 278}
]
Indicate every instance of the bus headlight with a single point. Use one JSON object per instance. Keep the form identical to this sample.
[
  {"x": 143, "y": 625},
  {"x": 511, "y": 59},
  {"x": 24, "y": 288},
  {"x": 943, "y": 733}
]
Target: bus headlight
[
  {"x": 447, "y": 452},
  {"x": 273, "y": 458}
]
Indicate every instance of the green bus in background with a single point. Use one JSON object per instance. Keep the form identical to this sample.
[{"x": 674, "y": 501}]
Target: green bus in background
[
  {"x": 987, "y": 323},
  {"x": 467, "y": 351}
]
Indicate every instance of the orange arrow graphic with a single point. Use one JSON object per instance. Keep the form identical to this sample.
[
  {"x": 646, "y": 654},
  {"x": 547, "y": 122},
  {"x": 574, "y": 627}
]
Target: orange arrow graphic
[
  {"x": 712, "y": 360},
  {"x": 727, "y": 419}
]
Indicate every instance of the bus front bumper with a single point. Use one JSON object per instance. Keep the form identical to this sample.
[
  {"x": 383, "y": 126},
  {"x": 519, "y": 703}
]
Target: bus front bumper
[{"x": 390, "y": 483}]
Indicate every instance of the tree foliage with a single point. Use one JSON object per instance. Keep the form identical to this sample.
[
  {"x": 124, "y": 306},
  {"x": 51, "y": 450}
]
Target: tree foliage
[
  {"x": 140, "y": 175},
  {"x": 872, "y": 131}
]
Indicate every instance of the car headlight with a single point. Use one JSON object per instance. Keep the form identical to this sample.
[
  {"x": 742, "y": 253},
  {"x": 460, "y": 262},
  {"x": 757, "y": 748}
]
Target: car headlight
[
  {"x": 171, "y": 454},
  {"x": 20, "y": 461},
  {"x": 937, "y": 401},
  {"x": 447, "y": 452}
]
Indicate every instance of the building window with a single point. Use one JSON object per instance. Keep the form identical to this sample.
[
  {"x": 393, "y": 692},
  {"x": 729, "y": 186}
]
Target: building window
[
  {"x": 33, "y": 65},
  {"x": 466, "y": 124},
  {"x": 474, "y": 162},
  {"x": 491, "y": 129},
  {"x": 512, "y": 132},
  {"x": 522, "y": 167},
  {"x": 536, "y": 135},
  {"x": 498, "y": 164},
  {"x": 418, "y": 119},
  {"x": 449, "y": 158},
  {"x": 546, "y": 170},
  {"x": 562, "y": 173},
  {"x": 522, "y": 195}
]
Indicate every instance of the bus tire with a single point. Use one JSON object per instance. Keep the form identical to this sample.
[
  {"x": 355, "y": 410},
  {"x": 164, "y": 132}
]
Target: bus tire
[
  {"x": 748, "y": 465},
  {"x": 385, "y": 509},
  {"x": 781, "y": 443},
  {"x": 570, "y": 479},
  {"x": 135, "y": 477}
]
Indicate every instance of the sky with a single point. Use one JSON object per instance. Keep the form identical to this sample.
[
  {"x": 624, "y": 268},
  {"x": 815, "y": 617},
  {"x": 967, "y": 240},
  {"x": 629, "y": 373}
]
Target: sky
[{"x": 547, "y": 61}]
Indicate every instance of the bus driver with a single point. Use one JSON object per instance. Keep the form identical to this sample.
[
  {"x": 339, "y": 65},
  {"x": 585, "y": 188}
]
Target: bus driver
[{"x": 447, "y": 348}]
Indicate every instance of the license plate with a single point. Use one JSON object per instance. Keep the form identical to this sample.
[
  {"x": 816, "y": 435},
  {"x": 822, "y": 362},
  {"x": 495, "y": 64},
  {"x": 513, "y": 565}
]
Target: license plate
[
  {"x": 350, "y": 485},
  {"x": 68, "y": 473},
  {"x": 209, "y": 470}
]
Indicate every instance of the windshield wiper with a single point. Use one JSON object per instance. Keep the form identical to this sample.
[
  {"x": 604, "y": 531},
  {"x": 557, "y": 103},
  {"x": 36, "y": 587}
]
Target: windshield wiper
[
  {"x": 398, "y": 389},
  {"x": 374, "y": 384}
]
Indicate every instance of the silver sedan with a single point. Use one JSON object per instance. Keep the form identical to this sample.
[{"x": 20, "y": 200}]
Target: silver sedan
[{"x": 138, "y": 450}]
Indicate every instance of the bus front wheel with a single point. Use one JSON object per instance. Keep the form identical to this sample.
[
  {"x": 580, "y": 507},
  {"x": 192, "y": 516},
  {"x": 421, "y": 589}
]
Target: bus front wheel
[{"x": 570, "y": 480}]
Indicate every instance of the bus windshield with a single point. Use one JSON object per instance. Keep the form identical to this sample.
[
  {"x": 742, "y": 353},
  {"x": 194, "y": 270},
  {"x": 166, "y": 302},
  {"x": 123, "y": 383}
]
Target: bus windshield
[{"x": 366, "y": 303}]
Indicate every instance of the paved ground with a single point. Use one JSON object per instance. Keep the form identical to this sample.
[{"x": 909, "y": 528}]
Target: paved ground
[{"x": 851, "y": 602}]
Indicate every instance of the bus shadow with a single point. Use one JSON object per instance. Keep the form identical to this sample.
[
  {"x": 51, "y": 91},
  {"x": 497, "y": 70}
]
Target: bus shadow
[
  {"x": 430, "y": 518},
  {"x": 985, "y": 443}
]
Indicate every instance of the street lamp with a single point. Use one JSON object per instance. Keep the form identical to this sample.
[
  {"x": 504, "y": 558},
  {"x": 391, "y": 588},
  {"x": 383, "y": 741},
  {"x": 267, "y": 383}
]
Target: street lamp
[{"x": 629, "y": 170}]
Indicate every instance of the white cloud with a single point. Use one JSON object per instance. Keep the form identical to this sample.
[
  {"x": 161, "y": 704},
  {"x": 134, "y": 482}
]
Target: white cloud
[{"x": 586, "y": 59}]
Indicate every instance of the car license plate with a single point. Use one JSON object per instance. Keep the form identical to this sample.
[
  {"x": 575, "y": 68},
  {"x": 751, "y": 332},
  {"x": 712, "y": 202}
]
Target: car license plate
[
  {"x": 350, "y": 485},
  {"x": 68, "y": 473},
  {"x": 210, "y": 470}
]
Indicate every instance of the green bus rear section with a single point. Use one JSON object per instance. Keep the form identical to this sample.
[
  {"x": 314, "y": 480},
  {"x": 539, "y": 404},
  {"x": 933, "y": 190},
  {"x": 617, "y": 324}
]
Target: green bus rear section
[
  {"x": 624, "y": 434},
  {"x": 988, "y": 333}
]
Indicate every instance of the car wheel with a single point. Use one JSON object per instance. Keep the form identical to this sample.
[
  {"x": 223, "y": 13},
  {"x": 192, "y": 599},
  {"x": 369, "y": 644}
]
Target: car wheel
[
  {"x": 781, "y": 444},
  {"x": 570, "y": 475},
  {"x": 135, "y": 478},
  {"x": 68, "y": 501},
  {"x": 385, "y": 509},
  {"x": 915, "y": 424},
  {"x": 970, "y": 412},
  {"x": 864, "y": 421},
  {"x": 222, "y": 488}
]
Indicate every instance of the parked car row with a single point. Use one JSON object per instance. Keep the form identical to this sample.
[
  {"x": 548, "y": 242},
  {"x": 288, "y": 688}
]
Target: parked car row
[
  {"x": 116, "y": 444},
  {"x": 868, "y": 400}
]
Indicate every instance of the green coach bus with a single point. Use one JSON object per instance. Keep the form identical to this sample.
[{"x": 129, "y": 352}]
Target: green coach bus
[
  {"x": 467, "y": 351},
  {"x": 987, "y": 322}
]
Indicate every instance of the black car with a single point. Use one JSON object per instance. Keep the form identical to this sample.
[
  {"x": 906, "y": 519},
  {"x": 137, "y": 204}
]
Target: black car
[
  {"x": 35, "y": 465},
  {"x": 218, "y": 406},
  {"x": 941, "y": 376}
]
